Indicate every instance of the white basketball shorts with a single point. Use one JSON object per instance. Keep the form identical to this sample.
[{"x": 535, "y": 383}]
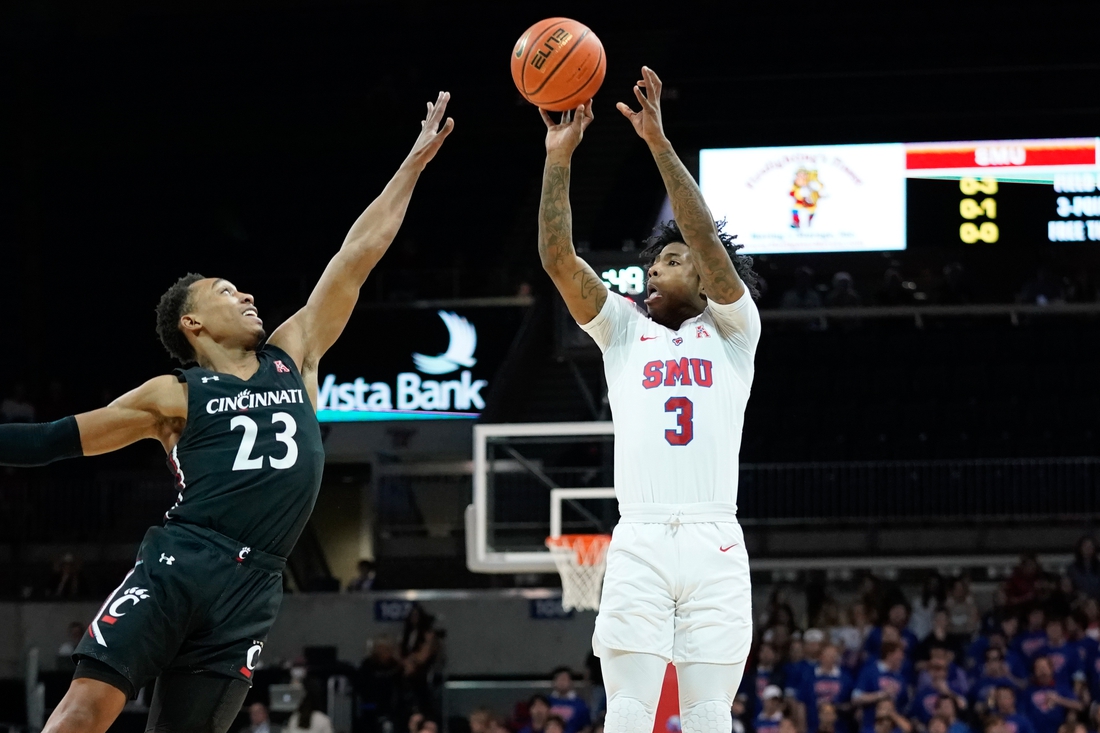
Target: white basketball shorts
[{"x": 677, "y": 585}]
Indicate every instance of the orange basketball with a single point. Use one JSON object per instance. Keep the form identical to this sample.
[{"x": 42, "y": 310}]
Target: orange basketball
[{"x": 558, "y": 64}]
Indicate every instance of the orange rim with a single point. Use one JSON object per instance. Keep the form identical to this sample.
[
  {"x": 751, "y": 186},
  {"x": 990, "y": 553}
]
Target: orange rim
[{"x": 589, "y": 548}]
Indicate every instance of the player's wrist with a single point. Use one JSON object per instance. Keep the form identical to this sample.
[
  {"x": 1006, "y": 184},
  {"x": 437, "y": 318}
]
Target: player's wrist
[
  {"x": 659, "y": 144},
  {"x": 561, "y": 156}
]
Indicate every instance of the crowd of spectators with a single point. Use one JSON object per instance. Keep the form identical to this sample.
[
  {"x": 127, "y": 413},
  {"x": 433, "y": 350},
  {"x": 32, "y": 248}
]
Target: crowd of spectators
[
  {"x": 935, "y": 663},
  {"x": 393, "y": 694},
  {"x": 565, "y": 709},
  {"x": 400, "y": 678},
  {"x": 949, "y": 286}
]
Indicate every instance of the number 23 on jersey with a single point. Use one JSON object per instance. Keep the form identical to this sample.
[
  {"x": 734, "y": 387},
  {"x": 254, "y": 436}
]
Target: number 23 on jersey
[{"x": 244, "y": 460}]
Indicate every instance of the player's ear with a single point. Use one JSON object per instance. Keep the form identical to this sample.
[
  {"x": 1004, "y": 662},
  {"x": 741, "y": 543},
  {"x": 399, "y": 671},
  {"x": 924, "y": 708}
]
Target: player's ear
[{"x": 190, "y": 322}]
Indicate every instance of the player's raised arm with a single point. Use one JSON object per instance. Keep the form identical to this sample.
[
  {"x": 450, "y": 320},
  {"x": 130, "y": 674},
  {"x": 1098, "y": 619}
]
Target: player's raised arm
[
  {"x": 156, "y": 409},
  {"x": 582, "y": 289},
  {"x": 720, "y": 280},
  {"x": 309, "y": 333}
]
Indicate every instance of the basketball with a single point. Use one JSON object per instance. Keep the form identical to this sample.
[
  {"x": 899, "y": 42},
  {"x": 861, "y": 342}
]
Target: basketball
[{"x": 558, "y": 64}]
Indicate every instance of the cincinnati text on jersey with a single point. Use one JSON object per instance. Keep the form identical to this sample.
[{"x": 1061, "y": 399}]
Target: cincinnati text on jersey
[{"x": 248, "y": 400}]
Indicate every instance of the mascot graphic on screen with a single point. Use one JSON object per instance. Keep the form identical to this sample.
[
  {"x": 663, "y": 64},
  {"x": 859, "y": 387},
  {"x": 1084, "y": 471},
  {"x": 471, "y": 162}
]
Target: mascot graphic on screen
[{"x": 805, "y": 191}]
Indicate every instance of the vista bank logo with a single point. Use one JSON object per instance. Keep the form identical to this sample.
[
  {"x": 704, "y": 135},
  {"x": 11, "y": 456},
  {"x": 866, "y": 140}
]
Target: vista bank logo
[{"x": 411, "y": 391}]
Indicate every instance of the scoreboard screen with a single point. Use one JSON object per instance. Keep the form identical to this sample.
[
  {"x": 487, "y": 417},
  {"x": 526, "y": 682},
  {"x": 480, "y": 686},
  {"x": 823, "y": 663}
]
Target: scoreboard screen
[{"x": 881, "y": 197}]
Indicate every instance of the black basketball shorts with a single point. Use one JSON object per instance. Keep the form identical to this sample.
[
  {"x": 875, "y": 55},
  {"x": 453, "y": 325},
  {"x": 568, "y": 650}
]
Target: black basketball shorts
[{"x": 195, "y": 601}]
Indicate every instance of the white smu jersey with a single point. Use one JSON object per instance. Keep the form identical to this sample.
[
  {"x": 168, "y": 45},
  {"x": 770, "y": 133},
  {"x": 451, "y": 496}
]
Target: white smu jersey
[{"x": 677, "y": 399}]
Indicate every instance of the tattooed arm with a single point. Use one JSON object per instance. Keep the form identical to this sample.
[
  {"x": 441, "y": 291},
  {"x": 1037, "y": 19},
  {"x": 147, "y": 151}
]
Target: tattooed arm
[
  {"x": 582, "y": 289},
  {"x": 720, "y": 281}
]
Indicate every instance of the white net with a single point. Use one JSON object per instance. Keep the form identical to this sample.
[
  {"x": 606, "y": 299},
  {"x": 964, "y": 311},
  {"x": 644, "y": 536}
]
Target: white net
[{"x": 581, "y": 560}]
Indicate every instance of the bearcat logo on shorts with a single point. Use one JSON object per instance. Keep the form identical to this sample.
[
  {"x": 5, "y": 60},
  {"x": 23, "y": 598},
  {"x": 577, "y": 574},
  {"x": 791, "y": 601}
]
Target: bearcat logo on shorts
[
  {"x": 252, "y": 658},
  {"x": 133, "y": 595}
]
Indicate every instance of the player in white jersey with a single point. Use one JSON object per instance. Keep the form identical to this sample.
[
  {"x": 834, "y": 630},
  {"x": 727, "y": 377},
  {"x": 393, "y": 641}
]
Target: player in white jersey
[{"x": 677, "y": 583}]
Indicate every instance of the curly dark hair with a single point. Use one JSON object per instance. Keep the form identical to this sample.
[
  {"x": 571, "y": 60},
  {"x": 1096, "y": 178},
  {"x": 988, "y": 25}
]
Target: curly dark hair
[
  {"x": 668, "y": 232},
  {"x": 173, "y": 304}
]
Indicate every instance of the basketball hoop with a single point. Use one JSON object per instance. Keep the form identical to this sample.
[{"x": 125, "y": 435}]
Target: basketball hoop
[{"x": 581, "y": 561}]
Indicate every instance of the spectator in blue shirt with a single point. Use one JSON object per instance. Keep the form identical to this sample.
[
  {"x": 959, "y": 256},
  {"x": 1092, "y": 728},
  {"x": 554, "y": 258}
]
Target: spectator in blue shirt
[
  {"x": 813, "y": 641},
  {"x": 941, "y": 655},
  {"x": 898, "y": 619},
  {"x": 1090, "y": 653},
  {"x": 1017, "y": 666},
  {"x": 1064, "y": 655},
  {"x": 1004, "y": 703},
  {"x": 566, "y": 704},
  {"x": 828, "y": 684},
  {"x": 767, "y": 721},
  {"x": 926, "y": 700},
  {"x": 887, "y": 719},
  {"x": 994, "y": 674},
  {"x": 880, "y": 680},
  {"x": 794, "y": 669},
  {"x": 1034, "y": 637},
  {"x": 765, "y": 674},
  {"x": 1087, "y": 646},
  {"x": 947, "y": 710},
  {"x": 1046, "y": 701}
]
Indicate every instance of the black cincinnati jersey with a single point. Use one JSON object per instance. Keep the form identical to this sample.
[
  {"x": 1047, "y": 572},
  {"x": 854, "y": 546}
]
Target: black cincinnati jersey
[{"x": 248, "y": 464}]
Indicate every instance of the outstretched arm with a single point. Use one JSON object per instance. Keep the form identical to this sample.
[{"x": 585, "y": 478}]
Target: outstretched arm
[
  {"x": 720, "y": 280},
  {"x": 156, "y": 409},
  {"x": 310, "y": 332},
  {"x": 582, "y": 289}
]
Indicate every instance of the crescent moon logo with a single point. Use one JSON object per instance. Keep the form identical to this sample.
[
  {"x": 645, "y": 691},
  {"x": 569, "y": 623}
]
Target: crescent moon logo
[{"x": 460, "y": 349}]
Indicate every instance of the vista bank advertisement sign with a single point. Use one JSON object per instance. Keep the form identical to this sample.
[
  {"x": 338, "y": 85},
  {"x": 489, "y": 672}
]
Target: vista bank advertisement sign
[{"x": 436, "y": 365}]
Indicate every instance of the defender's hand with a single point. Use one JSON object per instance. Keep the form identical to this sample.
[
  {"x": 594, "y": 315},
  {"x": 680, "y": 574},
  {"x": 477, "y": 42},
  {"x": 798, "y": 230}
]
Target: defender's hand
[
  {"x": 566, "y": 135},
  {"x": 647, "y": 122},
  {"x": 431, "y": 136}
]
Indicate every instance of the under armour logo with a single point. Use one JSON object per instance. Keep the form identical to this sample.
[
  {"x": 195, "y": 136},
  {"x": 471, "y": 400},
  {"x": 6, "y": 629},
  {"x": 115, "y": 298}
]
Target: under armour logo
[
  {"x": 281, "y": 368},
  {"x": 167, "y": 558},
  {"x": 209, "y": 379},
  {"x": 244, "y": 551}
]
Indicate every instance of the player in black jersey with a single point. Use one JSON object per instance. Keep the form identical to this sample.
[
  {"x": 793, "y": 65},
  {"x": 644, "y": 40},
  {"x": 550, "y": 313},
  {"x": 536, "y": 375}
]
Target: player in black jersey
[{"x": 243, "y": 443}]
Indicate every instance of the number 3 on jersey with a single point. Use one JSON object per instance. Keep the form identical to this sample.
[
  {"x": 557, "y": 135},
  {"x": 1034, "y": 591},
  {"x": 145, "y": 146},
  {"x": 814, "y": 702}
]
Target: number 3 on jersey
[
  {"x": 685, "y": 428},
  {"x": 244, "y": 461}
]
